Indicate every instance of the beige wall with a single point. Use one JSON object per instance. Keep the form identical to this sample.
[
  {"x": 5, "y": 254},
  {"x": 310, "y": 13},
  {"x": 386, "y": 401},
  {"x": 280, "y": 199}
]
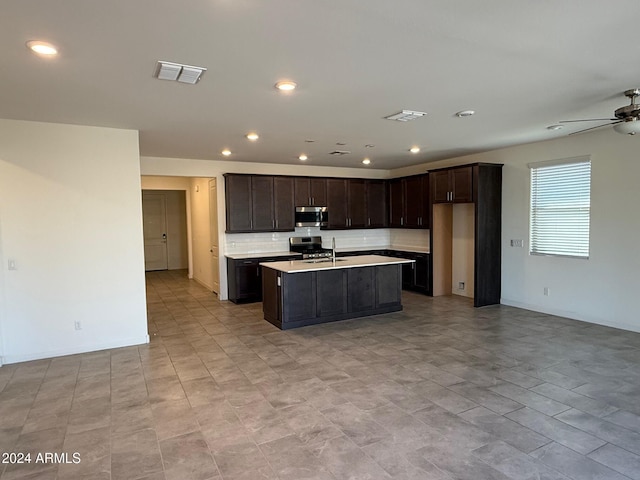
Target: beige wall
[
  {"x": 201, "y": 232},
  {"x": 462, "y": 249},
  {"x": 71, "y": 220}
]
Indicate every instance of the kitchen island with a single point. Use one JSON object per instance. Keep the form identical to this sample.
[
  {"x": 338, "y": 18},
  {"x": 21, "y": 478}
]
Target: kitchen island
[{"x": 296, "y": 293}]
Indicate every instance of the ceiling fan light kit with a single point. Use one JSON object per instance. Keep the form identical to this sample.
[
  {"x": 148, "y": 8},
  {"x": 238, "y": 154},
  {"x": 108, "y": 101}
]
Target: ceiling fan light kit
[
  {"x": 627, "y": 118},
  {"x": 628, "y": 127}
]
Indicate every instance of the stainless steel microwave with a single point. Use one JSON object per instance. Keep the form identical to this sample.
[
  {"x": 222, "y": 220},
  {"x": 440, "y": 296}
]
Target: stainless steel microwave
[{"x": 312, "y": 217}]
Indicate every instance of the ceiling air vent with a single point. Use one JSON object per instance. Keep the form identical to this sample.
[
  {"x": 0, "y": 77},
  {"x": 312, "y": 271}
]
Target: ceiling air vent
[
  {"x": 179, "y": 72},
  {"x": 406, "y": 115},
  {"x": 339, "y": 153}
]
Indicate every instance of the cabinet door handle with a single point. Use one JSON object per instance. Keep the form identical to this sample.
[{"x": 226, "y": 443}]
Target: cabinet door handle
[{"x": 401, "y": 220}]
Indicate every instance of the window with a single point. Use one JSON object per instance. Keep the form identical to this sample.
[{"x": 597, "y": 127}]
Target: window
[{"x": 560, "y": 207}]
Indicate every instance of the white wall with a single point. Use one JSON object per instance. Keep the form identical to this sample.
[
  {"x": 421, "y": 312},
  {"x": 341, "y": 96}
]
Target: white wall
[
  {"x": 602, "y": 289},
  {"x": 201, "y": 232},
  {"x": 71, "y": 219}
]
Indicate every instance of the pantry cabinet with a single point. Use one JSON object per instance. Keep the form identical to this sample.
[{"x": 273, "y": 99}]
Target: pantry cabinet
[{"x": 452, "y": 185}]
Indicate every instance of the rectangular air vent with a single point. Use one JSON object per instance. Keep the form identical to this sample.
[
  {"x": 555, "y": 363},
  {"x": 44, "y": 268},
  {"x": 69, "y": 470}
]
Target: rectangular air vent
[
  {"x": 406, "y": 115},
  {"x": 178, "y": 72}
]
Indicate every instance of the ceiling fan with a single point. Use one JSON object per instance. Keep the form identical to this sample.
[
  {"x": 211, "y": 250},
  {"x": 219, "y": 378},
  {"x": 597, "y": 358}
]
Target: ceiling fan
[{"x": 627, "y": 118}]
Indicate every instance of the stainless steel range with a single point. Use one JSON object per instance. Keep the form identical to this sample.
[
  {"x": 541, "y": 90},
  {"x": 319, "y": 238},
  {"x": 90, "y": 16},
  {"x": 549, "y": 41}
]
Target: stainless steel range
[{"x": 309, "y": 247}]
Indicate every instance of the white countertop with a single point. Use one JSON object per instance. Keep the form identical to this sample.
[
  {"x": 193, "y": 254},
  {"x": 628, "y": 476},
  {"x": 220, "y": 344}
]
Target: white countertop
[
  {"x": 242, "y": 256},
  {"x": 298, "y": 266},
  {"x": 400, "y": 248}
]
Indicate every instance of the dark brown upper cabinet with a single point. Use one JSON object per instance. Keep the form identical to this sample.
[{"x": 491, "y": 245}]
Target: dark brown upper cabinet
[
  {"x": 259, "y": 203},
  {"x": 396, "y": 203},
  {"x": 262, "y": 210},
  {"x": 238, "y": 203},
  {"x": 347, "y": 203},
  {"x": 409, "y": 202},
  {"x": 452, "y": 185},
  {"x": 356, "y": 203},
  {"x": 337, "y": 203},
  {"x": 283, "y": 204},
  {"x": 310, "y": 191},
  {"x": 377, "y": 204}
]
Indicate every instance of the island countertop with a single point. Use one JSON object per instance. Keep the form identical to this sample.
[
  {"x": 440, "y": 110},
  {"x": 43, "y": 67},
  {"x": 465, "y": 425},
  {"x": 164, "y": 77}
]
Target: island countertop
[{"x": 298, "y": 266}]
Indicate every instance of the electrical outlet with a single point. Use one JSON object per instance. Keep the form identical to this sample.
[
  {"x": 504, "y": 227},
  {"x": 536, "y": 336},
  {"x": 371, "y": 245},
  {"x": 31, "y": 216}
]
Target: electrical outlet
[
  {"x": 77, "y": 325},
  {"x": 517, "y": 243},
  {"x": 546, "y": 291},
  {"x": 12, "y": 265},
  {"x": 460, "y": 285}
]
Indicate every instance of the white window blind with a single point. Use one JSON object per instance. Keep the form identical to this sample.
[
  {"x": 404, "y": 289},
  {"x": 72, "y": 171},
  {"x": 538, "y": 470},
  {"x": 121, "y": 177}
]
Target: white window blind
[{"x": 560, "y": 207}]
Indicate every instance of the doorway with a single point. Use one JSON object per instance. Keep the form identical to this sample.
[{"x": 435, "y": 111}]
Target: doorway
[{"x": 165, "y": 230}]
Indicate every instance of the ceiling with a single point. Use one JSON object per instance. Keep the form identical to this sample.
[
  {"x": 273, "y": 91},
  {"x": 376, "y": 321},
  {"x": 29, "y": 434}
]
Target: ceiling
[{"x": 521, "y": 65}]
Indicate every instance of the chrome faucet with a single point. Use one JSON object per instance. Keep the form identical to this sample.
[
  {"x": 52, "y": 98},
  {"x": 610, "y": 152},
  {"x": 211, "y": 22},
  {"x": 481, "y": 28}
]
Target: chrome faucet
[{"x": 333, "y": 249}]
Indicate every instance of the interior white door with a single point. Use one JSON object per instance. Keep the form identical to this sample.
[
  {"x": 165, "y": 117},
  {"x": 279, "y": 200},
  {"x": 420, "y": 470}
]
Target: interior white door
[
  {"x": 154, "y": 219},
  {"x": 213, "y": 218}
]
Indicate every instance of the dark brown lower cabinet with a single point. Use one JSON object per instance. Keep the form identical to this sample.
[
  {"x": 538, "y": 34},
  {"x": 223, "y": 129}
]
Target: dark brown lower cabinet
[
  {"x": 415, "y": 276},
  {"x": 307, "y": 298},
  {"x": 244, "y": 277}
]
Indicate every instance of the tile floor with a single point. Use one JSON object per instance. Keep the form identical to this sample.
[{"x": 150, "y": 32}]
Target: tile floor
[{"x": 438, "y": 391}]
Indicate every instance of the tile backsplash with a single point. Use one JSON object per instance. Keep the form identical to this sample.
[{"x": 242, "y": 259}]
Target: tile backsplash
[{"x": 239, "y": 243}]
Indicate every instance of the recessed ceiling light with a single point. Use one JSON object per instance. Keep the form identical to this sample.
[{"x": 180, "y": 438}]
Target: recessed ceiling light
[
  {"x": 42, "y": 48},
  {"x": 303, "y": 157},
  {"x": 286, "y": 86},
  {"x": 369, "y": 145},
  {"x": 465, "y": 113},
  {"x": 252, "y": 136},
  {"x": 555, "y": 127},
  {"x": 366, "y": 161},
  {"x": 414, "y": 149},
  {"x": 226, "y": 152}
]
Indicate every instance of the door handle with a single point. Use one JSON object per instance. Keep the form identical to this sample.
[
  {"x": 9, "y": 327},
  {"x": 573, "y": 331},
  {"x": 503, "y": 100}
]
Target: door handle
[{"x": 164, "y": 236}]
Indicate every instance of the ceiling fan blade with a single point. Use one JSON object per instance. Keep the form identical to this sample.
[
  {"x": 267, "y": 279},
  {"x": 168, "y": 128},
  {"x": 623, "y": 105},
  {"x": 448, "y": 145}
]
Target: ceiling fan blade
[
  {"x": 589, "y": 120},
  {"x": 593, "y": 128}
]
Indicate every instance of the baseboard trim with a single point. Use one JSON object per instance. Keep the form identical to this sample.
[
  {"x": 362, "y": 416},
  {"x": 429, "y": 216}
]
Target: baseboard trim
[
  {"x": 200, "y": 282},
  {"x": 571, "y": 315},
  {"x": 125, "y": 342}
]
